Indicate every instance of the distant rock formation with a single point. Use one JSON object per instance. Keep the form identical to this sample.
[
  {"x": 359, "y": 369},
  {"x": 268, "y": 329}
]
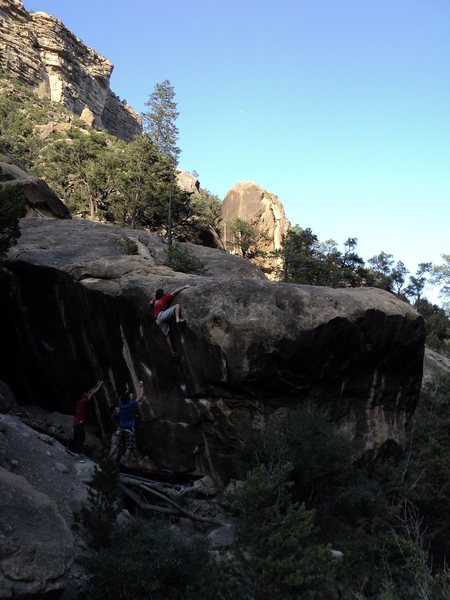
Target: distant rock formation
[
  {"x": 75, "y": 308},
  {"x": 187, "y": 182},
  {"x": 252, "y": 203},
  {"x": 41, "y": 200},
  {"x": 42, "y": 53}
]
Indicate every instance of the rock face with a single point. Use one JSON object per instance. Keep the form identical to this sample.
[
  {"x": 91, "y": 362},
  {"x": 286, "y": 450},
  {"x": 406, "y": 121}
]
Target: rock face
[
  {"x": 187, "y": 182},
  {"x": 42, "y": 53},
  {"x": 252, "y": 203},
  {"x": 76, "y": 309},
  {"x": 41, "y": 487},
  {"x": 41, "y": 200},
  {"x": 434, "y": 366}
]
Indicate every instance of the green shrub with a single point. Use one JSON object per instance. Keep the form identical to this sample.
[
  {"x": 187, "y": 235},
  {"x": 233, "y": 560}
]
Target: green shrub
[
  {"x": 127, "y": 245},
  {"x": 182, "y": 260},
  {"x": 12, "y": 208},
  {"x": 322, "y": 464},
  {"x": 146, "y": 560},
  {"x": 104, "y": 505},
  {"x": 276, "y": 553}
]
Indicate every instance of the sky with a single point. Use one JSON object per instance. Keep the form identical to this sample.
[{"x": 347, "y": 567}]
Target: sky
[{"x": 341, "y": 108}]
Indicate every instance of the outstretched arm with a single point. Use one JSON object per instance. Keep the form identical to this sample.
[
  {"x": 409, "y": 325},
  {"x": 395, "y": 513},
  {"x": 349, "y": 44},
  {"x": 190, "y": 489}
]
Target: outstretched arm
[
  {"x": 95, "y": 389},
  {"x": 178, "y": 290}
]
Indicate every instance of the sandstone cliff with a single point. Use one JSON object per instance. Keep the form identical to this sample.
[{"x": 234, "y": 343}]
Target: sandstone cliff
[
  {"x": 250, "y": 202},
  {"x": 42, "y": 53},
  {"x": 75, "y": 308}
]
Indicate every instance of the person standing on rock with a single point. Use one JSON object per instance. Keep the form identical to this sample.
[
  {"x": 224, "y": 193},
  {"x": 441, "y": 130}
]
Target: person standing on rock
[
  {"x": 127, "y": 415},
  {"x": 79, "y": 431},
  {"x": 163, "y": 312}
]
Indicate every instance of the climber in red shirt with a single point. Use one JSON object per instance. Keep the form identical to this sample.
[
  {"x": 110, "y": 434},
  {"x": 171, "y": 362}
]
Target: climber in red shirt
[
  {"x": 79, "y": 432},
  {"x": 163, "y": 312}
]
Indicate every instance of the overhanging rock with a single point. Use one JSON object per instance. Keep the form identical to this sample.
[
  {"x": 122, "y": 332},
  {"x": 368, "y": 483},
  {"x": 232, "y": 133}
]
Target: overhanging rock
[{"x": 77, "y": 309}]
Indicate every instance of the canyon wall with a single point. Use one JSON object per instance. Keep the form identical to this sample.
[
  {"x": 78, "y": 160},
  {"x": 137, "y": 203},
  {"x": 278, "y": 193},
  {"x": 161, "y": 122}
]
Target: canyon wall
[{"x": 38, "y": 50}]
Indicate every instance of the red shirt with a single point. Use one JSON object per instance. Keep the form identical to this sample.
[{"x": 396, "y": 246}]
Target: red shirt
[
  {"x": 161, "y": 304},
  {"x": 80, "y": 410}
]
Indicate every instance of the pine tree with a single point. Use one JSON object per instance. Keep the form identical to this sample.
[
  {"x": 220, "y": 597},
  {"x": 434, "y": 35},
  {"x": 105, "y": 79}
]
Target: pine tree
[{"x": 159, "y": 121}]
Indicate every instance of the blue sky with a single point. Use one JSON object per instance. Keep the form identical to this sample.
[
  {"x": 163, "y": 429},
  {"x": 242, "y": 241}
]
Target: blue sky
[{"x": 339, "y": 107}]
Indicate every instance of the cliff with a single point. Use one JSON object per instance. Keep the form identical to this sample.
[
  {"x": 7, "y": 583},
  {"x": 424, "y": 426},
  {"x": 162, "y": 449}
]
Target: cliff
[{"x": 43, "y": 54}]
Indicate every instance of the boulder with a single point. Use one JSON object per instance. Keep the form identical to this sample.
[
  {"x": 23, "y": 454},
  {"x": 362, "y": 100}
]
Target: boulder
[
  {"x": 77, "y": 309},
  {"x": 252, "y": 203},
  {"x": 434, "y": 365},
  {"x": 41, "y": 489},
  {"x": 35, "y": 543},
  {"x": 40, "y": 199},
  {"x": 187, "y": 182}
]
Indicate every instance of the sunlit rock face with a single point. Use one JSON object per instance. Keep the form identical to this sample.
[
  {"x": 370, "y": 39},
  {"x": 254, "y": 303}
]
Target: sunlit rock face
[
  {"x": 76, "y": 309},
  {"x": 42, "y": 53},
  {"x": 252, "y": 203}
]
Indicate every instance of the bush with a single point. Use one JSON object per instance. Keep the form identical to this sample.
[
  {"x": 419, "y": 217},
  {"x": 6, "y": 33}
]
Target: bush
[
  {"x": 12, "y": 208},
  {"x": 146, "y": 560},
  {"x": 322, "y": 464},
  {"x": 104, "y": 506},
  {"x": 182, "y": 260},
  {"x": 127, "y": 245},
  {"x": 276, "y": 553}
]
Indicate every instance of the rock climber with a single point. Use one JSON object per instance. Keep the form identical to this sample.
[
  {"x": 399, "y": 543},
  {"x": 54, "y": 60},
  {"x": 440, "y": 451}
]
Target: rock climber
[
  {"x": 125, "y": 438},
  {"x": 79, "y": 432},
  {"x": 163, "y": 312}
]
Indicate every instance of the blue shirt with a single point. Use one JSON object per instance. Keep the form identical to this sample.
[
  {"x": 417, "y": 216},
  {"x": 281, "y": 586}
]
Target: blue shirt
[{"x": 128, "y": 414}]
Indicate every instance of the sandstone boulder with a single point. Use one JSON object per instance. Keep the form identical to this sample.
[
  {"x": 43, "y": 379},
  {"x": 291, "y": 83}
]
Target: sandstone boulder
[
  {"x": 77, "y": 310},
  {"x": 434, "y": 365},
  {"x": 41, "y": 489},
  {"x": 187, "y": 182},
  {"x": 40, "y": 198},
  {"x": 250, "y": 202}
]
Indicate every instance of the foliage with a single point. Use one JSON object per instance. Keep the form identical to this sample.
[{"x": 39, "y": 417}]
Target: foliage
[
  {"x": 441, "y": 276},
  {"x": 384, "y": 274},
  {"x": 12, "y": 208},
  {"x": 182, "y": 260},
  {"x": 322, "y": 467},
  {"x": 305, "y": 260},
  {"x": 145, "y": 560},
  {"x": 127, "y": 245},
  {"x": 159, "y": 120},
  {"x": 248, "y": 239},
  {"x": 392, "y": 563},
  {"x": 97, "y": 175},
  {"x": 276, "y": 553},
  {"x": 437, "y": 325},
  {"x": 207, "y": 209},
  {"x": 417, "y": 282},
  {"x": 103, "y": 501}
]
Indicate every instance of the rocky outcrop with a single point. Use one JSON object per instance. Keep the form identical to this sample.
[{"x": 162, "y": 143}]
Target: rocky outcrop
[
  {"x": 187, "y": 182},
  {"x": 252, "y": 203},
  {"x": 41, "y": 489},
  {"x": 77, "y": 309},
  {"x": 41, "y": 201},
  {"x": 435, "y": 365},
  {"x": 42, "y": 53}
]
